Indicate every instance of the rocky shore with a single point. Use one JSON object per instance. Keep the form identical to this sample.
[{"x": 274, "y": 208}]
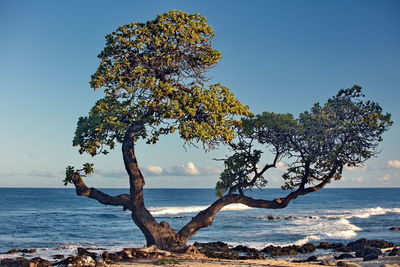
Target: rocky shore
[{"x": 358, "y": 253}]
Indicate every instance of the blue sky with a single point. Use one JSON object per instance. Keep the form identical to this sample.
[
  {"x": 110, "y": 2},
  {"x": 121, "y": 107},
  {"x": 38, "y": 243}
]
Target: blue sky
[{"x": 279, "y": 56}]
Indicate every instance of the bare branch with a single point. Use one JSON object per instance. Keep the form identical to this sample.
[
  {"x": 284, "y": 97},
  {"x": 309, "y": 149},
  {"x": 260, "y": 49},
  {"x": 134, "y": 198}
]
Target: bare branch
[
  {"x": 83, "y": 190},
  {"x": 206, "y": 217}
]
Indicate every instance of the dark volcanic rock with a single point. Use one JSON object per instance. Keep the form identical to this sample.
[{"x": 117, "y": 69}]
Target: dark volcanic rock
[
  {"x": 245, "y": 249},
  {"x": 86, "y": 261},
  {"x": 361, "y": 244},
  {"x": 58, "y": 257},
  {"x": 306, "y": 248},
  {"x": 289, "y": 250},
  {"x": 25, "y": 250},
  {"x": 336, "y": 246},
  {"x": 220, "y": 246},
  {"x": 84, "y": 252},
  {"x": 370, "y": 257},
  {"x": 22, "y": 262},
  {"x": 18, "y": 262},
  {"x": 312, "y": 258},
  {"x": 281, "y": 251},
  {"x": 217, "y": 250},
  {"x": 41, "y": 262},
  {"x": 344, "y": 256},
  {"x": 394, "y": 252},
  {"x": 368, "y": 251}
]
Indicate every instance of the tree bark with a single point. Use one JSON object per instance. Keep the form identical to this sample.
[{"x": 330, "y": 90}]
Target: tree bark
[
  {"x": 159, "y": 234},
  {"x": 206, "y": 217}
]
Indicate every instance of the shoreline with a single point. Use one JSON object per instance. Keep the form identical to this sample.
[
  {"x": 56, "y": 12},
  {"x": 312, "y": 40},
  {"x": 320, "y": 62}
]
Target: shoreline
[{"x": 366, "y": 253}]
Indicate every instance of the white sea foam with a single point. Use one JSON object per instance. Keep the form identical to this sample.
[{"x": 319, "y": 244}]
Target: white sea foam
[
  {"x": 334, "y": 224},
  {"x": 156, "y": 211},
  {"x": 307, "y": 239},
  {"x": 66, "y": 250}
]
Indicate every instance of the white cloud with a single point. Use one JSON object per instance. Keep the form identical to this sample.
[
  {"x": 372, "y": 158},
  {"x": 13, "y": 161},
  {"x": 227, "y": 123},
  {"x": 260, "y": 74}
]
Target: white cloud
[
  {"x": 356, "y": 168},
  {"x": 385, "y": 178},
  {"x": 153, "y": 170},
  {"x": 41, "y": 174},
  {"x": 281, "y": 166},
  {"x": 188, "y": 169},
  {"x": 393, "y": 164},
  {"x": 388, "y": 179}
]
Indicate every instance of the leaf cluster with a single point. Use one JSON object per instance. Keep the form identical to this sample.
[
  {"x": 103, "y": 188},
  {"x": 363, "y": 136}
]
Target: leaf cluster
[
  {"x": 70, "y": 172},
  {"x": 155, "y": 73},
  {"x": 346, "y": 130}
]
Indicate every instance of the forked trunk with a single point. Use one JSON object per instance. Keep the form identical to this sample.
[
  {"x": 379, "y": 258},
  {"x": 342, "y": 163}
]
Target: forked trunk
[{"x": 159, "y": 234}]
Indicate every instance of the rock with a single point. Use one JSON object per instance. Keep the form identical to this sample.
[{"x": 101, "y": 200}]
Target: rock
[
  {"x": 22, "y": 262},
  {"x": 394, "y": 252},
  {"x": 347, "y": 264},
  {"x": 245, "y": 249},
  {"x": 370, "y": 257},
  {"x": 326, "y": 245},
  {"x": 86, "y": 261},
  {"x": 328, "y": 263},
  {"x": 12, "y": 251},
  {"x": 394, "y": 228},
  {"x": 191, "y": 250},
  {"x": 281, "y": 251},
  {"x": 216, "y": 250},
  {"x": 361, "y": 244},
  {"x": 84, "y": 252},
  {"x": 18, "y": 262},
  {"x": 272, "y": 218},
  {"x": 25, "y": 250},
  {"x": 100, "y": 264},
  {"x": 58, "y": 257},
  {"x": 312, "y": 258},
  {"x": 220, "y": 246},
  {"x": 368, "y": 251},
  {"x": 306, "y": 248},
  {"x": 344, "y": 256},
  {"x": 110, "y": 257}
]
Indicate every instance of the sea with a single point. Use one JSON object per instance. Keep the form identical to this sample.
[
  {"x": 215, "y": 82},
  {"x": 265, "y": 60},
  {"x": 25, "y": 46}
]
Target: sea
[{"x": 57, "y": 221}]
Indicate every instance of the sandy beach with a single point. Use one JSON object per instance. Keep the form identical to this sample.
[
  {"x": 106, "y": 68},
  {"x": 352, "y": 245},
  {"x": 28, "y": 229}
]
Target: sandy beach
[{"x": 387, "y": 261}]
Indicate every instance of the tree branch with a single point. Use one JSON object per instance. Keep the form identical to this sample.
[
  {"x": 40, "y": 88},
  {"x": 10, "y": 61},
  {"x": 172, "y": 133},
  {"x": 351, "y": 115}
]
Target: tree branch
[
  {"x": 206, "y": 217},
  {"x": 82, "y": 190}
]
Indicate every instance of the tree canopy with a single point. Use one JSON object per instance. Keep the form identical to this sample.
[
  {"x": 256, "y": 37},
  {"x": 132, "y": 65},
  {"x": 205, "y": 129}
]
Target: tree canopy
[
  {"x": 155, "y": 73},
  {"x": 154, "y": 80},
  {"x": 345, "y": 131}
]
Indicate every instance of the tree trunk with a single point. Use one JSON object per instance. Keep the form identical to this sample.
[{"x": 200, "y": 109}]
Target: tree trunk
[{"x": 159, "y": 234}]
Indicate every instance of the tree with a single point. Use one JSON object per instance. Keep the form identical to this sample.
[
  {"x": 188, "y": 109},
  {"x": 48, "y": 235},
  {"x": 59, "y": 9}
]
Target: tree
[{"x": 154, "y": 78}]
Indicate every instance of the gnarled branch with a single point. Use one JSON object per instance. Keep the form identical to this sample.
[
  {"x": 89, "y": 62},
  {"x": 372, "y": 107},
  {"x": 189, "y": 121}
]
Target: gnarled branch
[
  {"x": 206, "y": 217},
  {"x": 82, "y": 190}
]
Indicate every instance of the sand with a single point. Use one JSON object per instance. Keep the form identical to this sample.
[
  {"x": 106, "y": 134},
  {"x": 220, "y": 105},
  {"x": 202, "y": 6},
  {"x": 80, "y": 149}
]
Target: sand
[{"x": 208, "y": 262}]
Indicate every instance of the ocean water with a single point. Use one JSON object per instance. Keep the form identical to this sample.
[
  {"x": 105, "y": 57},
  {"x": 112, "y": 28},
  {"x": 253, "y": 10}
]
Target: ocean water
[{"x": 58, "y": 220}]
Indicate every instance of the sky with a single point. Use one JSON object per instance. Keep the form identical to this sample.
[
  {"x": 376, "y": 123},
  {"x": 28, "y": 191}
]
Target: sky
[{"x": 278, "y": 56}]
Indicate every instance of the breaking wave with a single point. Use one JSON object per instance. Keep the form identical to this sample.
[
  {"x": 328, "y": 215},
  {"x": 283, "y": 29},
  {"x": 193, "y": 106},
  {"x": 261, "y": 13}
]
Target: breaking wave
[{"x": 156, "y": 211}]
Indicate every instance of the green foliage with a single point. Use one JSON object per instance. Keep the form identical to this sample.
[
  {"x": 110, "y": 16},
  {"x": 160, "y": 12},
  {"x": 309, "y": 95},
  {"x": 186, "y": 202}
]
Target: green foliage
[
  {"x": 70, "y": 172},
  {"x": 155, "y": 73},
  {"x": 241, "y": 169},
  {"x": 344, "y": 131}
]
